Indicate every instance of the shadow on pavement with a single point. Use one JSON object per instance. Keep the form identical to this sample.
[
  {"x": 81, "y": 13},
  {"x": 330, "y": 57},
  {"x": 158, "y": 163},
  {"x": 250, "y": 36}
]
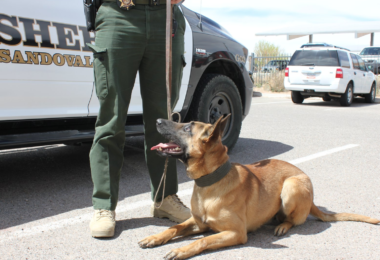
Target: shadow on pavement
[
  {"x": 261, "y": 238},
  {"x": 358, "y": 102},
  {"x": 46, "y": 181}
]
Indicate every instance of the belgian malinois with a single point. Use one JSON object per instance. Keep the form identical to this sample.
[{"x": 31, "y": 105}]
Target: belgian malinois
[{"x": 237, "y": 200}]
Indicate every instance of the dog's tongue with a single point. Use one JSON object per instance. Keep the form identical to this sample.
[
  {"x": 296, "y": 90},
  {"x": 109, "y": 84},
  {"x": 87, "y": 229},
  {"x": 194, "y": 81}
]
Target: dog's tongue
[{"x": 164, "y": 146}]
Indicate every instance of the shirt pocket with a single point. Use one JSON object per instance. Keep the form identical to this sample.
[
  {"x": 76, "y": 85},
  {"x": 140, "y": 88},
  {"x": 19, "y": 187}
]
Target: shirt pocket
[{"x": 100, "y": 70}]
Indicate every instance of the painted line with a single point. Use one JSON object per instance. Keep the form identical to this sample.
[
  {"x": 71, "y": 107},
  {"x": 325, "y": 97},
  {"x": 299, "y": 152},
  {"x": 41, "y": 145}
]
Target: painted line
[
  {"x": 330, "y": 109},
  {"x": 24, "y": 232},
  {"x": 34, "y": 148},
  {"x": 264, "y": 103},
  {"x": 124, "y": 206},
  {"x": 317, "y": 155}
]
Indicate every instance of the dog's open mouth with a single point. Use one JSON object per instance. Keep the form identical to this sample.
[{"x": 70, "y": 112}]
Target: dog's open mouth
[{"x": 168, "y": 148}]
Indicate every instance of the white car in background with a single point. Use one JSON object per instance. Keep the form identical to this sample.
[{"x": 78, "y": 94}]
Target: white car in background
[
  {"x": 329, "y": 72},
  {"x": 371, "y": 57}
]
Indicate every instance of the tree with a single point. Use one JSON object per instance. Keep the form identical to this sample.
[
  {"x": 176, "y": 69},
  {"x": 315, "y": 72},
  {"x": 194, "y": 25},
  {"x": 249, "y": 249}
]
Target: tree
[{"x": 264, "y": 48}]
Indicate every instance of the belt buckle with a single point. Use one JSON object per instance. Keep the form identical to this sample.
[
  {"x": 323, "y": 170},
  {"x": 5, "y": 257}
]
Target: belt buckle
[
  {"x": 125, "y": 4},
  {"x": 154, "y": 2}
]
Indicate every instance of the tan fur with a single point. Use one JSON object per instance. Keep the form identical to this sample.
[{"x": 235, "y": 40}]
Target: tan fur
[{"x": 248, "y": 197}]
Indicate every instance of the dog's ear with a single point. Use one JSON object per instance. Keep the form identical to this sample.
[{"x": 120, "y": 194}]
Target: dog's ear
[{"x": 218, "y": 128}]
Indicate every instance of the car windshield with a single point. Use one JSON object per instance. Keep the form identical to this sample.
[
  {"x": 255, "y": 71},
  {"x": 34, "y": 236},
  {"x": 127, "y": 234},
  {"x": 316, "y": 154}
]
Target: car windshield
[
  {"x": 370, "y": 51},
  {"x": 315, "y": 58}
]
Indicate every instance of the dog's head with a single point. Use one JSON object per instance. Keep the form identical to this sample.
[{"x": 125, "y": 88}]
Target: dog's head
[{"x": 190, "y": 141}]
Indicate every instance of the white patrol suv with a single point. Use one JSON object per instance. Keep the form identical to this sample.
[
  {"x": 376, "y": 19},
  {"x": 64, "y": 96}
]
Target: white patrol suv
[
  {"x": 46, "y": 76},
  {"x": 329, "y": 72}
]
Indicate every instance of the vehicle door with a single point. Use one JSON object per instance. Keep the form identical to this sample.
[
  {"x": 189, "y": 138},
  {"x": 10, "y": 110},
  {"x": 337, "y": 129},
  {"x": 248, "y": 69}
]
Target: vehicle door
[
  {"x": 357, "y": 74},
  {"x": 313, "y": 67},
  {"x": 367, "y": 76},
  {"x": 45, "y": 67}
]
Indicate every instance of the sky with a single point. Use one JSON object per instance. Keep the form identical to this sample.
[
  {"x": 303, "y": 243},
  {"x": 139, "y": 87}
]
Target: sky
[{"x": 244, "y": 18}]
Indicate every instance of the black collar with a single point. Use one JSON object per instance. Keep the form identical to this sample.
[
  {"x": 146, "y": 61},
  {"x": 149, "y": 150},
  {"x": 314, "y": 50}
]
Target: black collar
[{"x": 215, "y": 176}]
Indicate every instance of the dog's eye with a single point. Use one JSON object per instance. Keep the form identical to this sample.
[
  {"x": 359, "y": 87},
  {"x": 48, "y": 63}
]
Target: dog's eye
[{"x": 187, "y": 128}]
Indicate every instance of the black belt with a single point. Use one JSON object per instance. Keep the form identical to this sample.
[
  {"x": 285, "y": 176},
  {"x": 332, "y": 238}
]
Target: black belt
[{"x": 140, "y": 2}]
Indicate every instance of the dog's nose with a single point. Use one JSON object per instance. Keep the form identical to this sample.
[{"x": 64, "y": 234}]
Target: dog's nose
[{"x": 159, "y": 121}]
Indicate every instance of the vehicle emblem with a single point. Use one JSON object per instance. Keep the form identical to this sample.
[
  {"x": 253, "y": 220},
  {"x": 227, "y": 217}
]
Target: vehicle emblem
[
  {"x": 200, "y": 51},
  {"x": 125, "y": 4},
  {"x": 239, "y": 58},
  {"x": 311, "y": 68}
]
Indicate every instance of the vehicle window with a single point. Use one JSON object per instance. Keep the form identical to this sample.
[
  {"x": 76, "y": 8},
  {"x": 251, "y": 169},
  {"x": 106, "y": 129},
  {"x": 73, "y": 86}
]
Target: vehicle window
[
  {"x": 361, "y": 63},
  {"x": 344, "y": 61},
  {"x": 355, "y": 61},
  {"x": 370, "y": 51},
  {"x": 315, "y": 58}
]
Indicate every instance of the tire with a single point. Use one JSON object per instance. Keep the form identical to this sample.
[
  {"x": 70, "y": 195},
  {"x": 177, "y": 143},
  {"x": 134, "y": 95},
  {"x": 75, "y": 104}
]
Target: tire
[
  {"x": 297, "y": 98},
  {"x": 370, "y": 98},
  {"x": 217, "y": 95},
  {"x": 348, "y": 96}
]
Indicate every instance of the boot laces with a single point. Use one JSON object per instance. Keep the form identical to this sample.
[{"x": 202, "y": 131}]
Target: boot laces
[
  {"x": 104, "y": 213},
  {"x": 179, "y": 203}
]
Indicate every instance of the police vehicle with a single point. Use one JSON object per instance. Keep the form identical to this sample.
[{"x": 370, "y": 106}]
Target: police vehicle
[{"x": 46, "y": 76}]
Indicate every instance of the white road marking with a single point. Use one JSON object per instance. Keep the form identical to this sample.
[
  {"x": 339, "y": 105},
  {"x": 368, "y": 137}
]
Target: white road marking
[
  {"x": 333, "y": 109},
  {"x": 34, "y": 148},
  {"x": 23, "y": 230},
  {"x": 317, "y": 155}
]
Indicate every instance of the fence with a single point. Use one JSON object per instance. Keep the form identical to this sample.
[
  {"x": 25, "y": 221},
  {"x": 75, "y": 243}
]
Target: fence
[{"x": 269, "y": 70}]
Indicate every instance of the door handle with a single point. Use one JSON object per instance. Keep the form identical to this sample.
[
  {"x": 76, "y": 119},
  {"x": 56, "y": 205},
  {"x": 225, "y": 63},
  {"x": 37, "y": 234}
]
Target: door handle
[
  {"x": 354, "y": 73},
  {"x": 364, "y": 74}
]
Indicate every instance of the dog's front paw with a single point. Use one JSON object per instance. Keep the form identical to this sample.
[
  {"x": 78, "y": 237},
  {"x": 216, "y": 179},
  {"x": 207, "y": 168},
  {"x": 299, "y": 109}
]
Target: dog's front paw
[
  {"x": 150, "y": 242},
  {"x": 175, "y": 254}
]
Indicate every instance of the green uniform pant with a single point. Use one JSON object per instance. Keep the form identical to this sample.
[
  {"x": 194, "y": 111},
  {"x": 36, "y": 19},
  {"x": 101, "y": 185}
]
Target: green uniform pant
[{"x": 127, "y": 42}]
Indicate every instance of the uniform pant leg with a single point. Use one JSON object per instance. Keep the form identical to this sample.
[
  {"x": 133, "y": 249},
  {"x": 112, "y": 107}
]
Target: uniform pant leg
[
  {"x": 153, "y": 92},
  {"x": 120, "y": 44}
]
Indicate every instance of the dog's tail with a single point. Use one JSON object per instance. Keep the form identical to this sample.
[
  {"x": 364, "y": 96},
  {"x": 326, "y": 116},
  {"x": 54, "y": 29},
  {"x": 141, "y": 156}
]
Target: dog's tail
[{"x": 326, "y": 217}]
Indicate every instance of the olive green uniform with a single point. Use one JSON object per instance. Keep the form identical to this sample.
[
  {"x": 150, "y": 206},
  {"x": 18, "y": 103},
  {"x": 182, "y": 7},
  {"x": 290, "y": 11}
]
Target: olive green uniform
[{"x": 127, "y": 42}]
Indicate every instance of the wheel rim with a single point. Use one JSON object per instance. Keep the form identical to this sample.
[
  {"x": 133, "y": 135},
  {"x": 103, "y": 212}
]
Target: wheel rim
[
  {"x": 221, "y": 105},
  {"x": 349, "y": 95}
]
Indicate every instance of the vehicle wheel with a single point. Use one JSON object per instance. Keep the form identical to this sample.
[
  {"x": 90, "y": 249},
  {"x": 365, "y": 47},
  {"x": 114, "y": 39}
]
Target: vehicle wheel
[
  {"x": 297, "y": 97},
  {"x": 348, "y": 96},
  {"x": 217, "y": 95},
  {"x": 370, "y": 98},
  {"x": 326, "y": 98}
]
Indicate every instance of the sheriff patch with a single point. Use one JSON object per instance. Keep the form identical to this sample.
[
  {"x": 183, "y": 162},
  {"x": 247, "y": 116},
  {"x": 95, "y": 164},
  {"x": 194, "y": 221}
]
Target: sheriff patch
[{"x": 125, "y": 4}]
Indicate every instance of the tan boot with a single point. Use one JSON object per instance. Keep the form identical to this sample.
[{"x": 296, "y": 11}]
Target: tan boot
[
  {"x": 172, "y": 208},
  {"x": 103, "y": 223}
]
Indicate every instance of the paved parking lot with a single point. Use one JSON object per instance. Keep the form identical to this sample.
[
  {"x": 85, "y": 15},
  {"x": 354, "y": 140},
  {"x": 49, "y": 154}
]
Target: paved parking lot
[{"x": 45, "y": 192}]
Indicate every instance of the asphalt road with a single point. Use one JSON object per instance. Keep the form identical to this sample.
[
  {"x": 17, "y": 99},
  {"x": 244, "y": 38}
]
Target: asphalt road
[{"x": 45, "y": 192}]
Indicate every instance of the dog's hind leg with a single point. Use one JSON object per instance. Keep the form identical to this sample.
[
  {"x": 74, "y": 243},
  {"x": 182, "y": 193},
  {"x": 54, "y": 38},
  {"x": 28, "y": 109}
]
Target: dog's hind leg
[{"x": 297, "y": 198}]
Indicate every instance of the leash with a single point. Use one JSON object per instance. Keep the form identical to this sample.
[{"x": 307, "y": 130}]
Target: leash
[{"x": 169, "y": 42}]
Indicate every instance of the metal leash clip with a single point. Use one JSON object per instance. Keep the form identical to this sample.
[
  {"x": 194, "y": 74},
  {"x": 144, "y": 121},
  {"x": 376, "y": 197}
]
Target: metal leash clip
[{"x": 125, "y": 4}]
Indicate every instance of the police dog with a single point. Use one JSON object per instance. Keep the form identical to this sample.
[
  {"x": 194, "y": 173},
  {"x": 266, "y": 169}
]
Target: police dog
[{"x": 243, "y": 200}]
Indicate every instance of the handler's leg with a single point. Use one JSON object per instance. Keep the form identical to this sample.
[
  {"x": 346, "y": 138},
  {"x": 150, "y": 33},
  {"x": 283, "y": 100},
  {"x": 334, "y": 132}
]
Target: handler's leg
[
  {"x": 153, "y": 92},
  {"x": 117, "y": 55}
]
